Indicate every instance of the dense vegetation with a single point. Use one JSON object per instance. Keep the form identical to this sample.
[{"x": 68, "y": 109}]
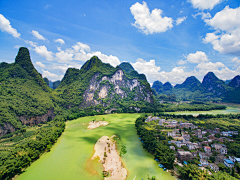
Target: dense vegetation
[
  {"x": 155, "y": 142},
  {"x": 19, "y": 149},
  {"x": 229, "y": 122},
  {"x": 192, "y": 172},
  {"x": 22, "y": 91}
]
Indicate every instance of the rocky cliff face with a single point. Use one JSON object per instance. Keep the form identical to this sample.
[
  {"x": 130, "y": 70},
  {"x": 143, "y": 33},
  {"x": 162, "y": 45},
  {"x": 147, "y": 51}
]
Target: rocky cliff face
[
  {"x": 6, "y": 128},
  {"x": 38, "y": 119},
  {"x": 117, "y": 84}
]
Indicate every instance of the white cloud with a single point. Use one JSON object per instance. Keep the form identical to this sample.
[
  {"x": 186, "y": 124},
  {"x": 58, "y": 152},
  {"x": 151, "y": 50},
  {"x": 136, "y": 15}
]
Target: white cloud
[
  {"x": 178, "y": 74},
  {"x": 236, "y": 60},
  {"x": 197, "y": 57},
  {"x": 63, "y": 67},
  {"x": 41, "y": 65},
  {"x": 42, "y": 51},
  {"x": 64, "y": 56},
  {"x": 226, "y": 20},
  {"x": 147, "y": 68},
  {"x": 82, "y": 52},
  {"x": 37, "y": 35},
  {"x": 150, "y": 23},
  {"x": 5, "y": 26},
  {"x": 180, "y": 20},
  {"x": 33, "y": 44},
  {"x": 51, "y": 76},
  {"x": 226, "y": 38},
  {"x": 78, "y": 52},
  {"x": 204, "y": 4},
  {"x": 181, "y": 62},
  {"x": 80, "y": 47},
  {"x": 113, "y": 60},
  {"x": 210, "y": 66},
  {"x": 61, "y": 41},
  {"x": 203, "y": 15}
]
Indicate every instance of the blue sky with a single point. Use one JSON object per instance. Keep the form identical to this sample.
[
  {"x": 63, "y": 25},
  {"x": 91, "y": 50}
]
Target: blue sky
[{"x": 166, "y": 40}]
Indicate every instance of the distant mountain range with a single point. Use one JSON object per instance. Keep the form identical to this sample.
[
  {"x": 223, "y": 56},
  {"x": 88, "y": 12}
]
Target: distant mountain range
[{"x": 211, "y": 88}]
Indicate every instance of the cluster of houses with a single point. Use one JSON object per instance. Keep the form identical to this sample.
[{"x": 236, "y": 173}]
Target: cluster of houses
[{"x": 202, "y": 149}]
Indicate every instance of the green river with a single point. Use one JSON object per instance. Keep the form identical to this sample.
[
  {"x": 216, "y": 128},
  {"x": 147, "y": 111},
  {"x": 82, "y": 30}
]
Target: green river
[{"x": 69, "y": 159}]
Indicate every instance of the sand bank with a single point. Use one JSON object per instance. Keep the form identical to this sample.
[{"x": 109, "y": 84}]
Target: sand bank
[
  {"x": 105, "y": 149},
  {"x": 95, "y": 124}
]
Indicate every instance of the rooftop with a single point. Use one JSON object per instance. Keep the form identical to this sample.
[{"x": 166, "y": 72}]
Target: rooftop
[{"x": 228, "y": 161}]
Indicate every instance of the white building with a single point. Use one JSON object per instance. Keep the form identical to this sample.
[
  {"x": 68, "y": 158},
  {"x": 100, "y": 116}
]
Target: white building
[{"x": 228, "y": 163}]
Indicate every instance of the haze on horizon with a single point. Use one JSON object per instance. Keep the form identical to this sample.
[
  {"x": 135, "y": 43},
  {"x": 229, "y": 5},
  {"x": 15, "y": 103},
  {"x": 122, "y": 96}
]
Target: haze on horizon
[{"x": 165, "y": 40}]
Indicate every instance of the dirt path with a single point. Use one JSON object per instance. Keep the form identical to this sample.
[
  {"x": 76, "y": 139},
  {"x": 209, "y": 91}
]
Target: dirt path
[{"x": 105, "y": 149}]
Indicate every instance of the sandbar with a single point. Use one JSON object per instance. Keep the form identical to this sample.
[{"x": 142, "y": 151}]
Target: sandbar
[
  {"x": 96, "y": 124},
  {"x": 105, "y": 149}
]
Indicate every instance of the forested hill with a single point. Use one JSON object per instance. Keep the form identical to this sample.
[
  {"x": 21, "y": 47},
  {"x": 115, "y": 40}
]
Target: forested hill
[
  {"x": 211, "y": 88},
  {"x": 24, "y": 97},
  {"x": 27, "y": 99},
  {"x": 102, "y": 88}
]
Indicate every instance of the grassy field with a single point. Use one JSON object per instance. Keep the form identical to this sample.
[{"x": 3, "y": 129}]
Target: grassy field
[
  {"x": 230, "y": 109},
  {"x": 70, "y": 156}
]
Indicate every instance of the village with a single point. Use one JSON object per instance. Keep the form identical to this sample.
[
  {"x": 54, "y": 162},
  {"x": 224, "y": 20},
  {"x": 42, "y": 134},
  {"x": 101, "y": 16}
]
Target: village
[{"x": 195, "y": 145}]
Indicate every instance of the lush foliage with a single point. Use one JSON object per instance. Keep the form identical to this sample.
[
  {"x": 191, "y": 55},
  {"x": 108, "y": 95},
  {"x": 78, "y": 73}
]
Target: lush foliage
[
  {"x": 155, "y": 142},
  {"x": 22, "y": 91},
  {"x": 127, "y": 67},
  {"x": 25, "y": 146},
  {"x": 192, "y": 172}
]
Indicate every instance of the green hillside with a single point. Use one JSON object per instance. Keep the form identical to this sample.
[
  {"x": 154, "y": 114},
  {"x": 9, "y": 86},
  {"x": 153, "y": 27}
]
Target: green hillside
[{"x": 22, "y": 92}]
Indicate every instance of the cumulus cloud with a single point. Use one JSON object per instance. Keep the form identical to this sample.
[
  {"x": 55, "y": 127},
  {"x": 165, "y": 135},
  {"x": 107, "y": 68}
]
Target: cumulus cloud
[
  {"x": 180, "y": 20},
  {"x": 41, "y": 65},
  {"x": 181, "y": 62},
  {"x": 37, "y": 35},
  {"x": 178, "y": 74},
  {"x": 226, "y": 38},
  {"x": 145, "y": 67},
  {"x": 51, "y": 76},
  {"x": 150, "y": 22},
  {"x": 5, "y": 26},
  {"x": 63, "y": 56},
  {"x": 61, "y": 41},
  {"x": 236, "y": 60},
  {"x": 204, "y": 4},
  {"x": 197, "y": 57},
  {"x": 42, "y": 51},
  {"x": 62, "y": 68},
  {"x": 78, "y": 52},
  {"x": 82, "y": 52},
  {"x": 210, "y": 66}
]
